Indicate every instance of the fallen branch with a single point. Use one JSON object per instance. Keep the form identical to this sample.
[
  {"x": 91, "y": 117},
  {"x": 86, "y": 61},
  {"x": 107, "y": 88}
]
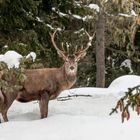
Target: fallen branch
[{"x": 65, "y": 98}]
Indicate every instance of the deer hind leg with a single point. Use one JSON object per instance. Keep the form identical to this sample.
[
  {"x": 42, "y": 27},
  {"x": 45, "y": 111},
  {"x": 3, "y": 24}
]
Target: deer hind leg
[
  {"x": 43, "y": 103},
  {"x": 1, "y": 98},
  {"x": 4, "y": 115},
  {"x": 4, "y": 112}
]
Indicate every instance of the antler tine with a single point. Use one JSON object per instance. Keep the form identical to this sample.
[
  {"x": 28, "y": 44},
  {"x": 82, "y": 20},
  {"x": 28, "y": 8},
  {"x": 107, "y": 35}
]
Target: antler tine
[
  {"x": 75, "y": 49},
  {"x": 62, "y": 44},
  {"x": 90, "y": 40},
  {"x": 90, "y": 37},
  {"x": 54, "y": 44},
  {"x": 68, "y": 47},
  {"x": 88, "y": 44}
]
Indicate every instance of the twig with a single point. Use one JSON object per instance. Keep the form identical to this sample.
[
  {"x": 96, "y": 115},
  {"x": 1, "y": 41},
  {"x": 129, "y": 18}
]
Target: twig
[{"x": 65, "y": 98}]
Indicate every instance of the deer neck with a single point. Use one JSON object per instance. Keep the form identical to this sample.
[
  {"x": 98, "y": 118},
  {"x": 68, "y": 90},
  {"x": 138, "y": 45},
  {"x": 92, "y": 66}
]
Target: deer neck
[{"x": 69, "y": 78}]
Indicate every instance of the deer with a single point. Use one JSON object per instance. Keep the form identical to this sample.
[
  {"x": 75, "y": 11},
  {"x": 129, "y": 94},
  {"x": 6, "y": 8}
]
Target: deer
[
  {"x": 47, "y": 83},
  {"x": 6, "y": 100},
  {"x": 7, "y": 97}
]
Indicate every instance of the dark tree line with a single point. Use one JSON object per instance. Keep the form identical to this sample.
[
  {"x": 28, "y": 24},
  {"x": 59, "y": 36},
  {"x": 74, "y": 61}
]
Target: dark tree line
[{"x": 25, "y": 26}]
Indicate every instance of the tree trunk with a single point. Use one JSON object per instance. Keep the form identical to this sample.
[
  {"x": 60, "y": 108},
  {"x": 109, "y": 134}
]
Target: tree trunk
[{"x": 100, "y": 51}]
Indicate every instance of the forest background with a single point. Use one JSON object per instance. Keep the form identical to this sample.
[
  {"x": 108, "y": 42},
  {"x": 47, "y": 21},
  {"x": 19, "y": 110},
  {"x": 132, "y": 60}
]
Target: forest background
[{"x": 25, "y": 26}]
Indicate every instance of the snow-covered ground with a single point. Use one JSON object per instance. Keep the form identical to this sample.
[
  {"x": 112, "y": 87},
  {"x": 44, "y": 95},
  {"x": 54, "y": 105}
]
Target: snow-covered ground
[{"x": 83, "y": 118}]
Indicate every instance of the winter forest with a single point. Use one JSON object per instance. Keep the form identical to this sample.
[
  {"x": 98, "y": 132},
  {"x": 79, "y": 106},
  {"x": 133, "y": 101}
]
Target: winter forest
[{"x": 69, "y": 69}]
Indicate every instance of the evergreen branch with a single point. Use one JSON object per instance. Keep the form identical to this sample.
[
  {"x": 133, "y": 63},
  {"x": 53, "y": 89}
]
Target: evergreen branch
[
  {"x": 129, "y": 100},
  {"x": 118, "y": 51},
  {"x": 113, "y": 110}
]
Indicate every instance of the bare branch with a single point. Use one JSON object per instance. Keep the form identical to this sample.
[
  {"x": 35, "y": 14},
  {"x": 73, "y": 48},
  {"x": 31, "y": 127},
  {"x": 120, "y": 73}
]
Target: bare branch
[{"x": 69, "y": 97}]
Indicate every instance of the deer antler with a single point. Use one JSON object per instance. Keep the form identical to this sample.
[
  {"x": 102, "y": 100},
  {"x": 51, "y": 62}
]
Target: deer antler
[
  {"x": 90, "y": 39},
  {"x": 62, "y": 52},
  {"x": 88, "y": 44}
]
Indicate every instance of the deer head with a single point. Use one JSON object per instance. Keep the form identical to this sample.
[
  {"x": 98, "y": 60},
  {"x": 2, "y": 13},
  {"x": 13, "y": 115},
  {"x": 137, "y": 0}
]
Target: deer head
[{"x": 71, "y": 60}]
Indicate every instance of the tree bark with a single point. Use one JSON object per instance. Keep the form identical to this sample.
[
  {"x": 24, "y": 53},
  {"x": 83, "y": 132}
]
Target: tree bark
[{"x": 100, "y": 51}]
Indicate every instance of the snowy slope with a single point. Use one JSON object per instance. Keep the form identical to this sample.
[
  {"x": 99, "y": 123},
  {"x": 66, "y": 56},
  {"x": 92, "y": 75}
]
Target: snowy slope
[{"x": 83, "y": 118}]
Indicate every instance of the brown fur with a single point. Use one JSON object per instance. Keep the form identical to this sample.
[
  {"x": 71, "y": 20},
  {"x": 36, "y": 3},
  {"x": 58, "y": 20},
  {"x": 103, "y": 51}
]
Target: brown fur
[
  {"x": 40, "y": 84},
  {"x": 50, "y": 80},
  {"x": 44, "y": 85},
  {"x": 6, "y": 99}
]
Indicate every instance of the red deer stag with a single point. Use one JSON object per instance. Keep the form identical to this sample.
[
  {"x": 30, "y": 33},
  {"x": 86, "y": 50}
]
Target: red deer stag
[{"x": 47, "y": 83}]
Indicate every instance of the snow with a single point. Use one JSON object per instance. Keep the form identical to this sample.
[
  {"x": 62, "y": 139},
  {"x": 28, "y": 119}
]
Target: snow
[
  {"x": 132, "y": 14},
  {"x": 127, "y": 63},
  {"x": 77, "y": 16},
  {"x": 48, "y": 25},
  {"x": 78, "y": 118},
  {"x": 125, "y": 82},
  {"x": 124, "y": 15},
  {"x": 32, "y": 55},
  {"x": 61, "y": 14},
  {"x": 12, "y": 58},
  {"x": 94, "y": 6},
  {"x": 88, "y": 17},
  {"x": 39, "y": 20},
  {"x": 5, "y": 46},
  {"x": 84, "y": 118}
]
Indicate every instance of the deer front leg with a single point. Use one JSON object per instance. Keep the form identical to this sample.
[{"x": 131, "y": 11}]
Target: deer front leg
[{"x": 43, "y": 103}]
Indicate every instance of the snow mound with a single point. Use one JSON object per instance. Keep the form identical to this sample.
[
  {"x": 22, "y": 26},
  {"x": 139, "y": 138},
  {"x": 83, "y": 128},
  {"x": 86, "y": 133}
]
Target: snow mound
[
  {"x": 125, "y": 82},
  {"x": 118, "y": 88},
  {"x": 93, "y": 91},
  {"x": 12, "y": 58}
]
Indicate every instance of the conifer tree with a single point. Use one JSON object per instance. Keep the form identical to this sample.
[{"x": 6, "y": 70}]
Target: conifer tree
[{"x": 26, "y": 28}]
